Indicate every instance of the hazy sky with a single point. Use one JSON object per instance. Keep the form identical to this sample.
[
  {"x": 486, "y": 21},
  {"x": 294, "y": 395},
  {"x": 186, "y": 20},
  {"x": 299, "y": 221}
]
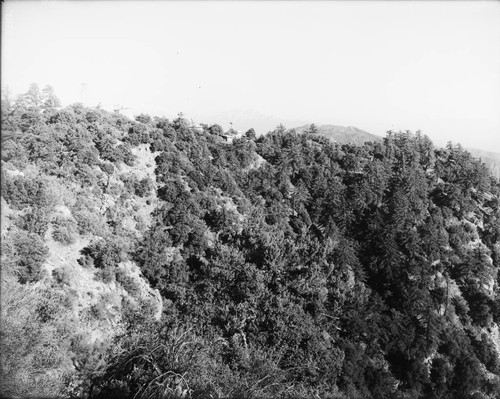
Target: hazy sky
[{"x": 377, "y": 65}]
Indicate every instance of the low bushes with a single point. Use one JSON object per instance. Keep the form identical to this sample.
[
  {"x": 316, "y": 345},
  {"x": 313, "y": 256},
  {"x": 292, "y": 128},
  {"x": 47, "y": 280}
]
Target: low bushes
[
  {"x": 65, "y": 230},
  {"x": 22, "y": 191},
  {"x": 34, "y": 221},
  {"x": 25, "y": 254}
]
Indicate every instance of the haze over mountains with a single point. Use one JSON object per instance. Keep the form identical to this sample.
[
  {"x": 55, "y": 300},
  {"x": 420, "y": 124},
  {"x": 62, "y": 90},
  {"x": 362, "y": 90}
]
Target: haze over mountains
[
  {"x": 354, "y": 135},
  {"x": 244, "y": 119},
  {"x": 491, "y": 159},
  {"x": 341, "y": 134}
]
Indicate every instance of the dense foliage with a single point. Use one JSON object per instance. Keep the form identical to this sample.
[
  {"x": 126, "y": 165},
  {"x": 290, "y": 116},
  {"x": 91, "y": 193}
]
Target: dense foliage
[{"x": 289, "y": 265}]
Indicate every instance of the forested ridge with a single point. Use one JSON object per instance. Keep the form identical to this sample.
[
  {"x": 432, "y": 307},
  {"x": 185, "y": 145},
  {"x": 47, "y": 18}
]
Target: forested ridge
[{"x": 284, "y": 265}]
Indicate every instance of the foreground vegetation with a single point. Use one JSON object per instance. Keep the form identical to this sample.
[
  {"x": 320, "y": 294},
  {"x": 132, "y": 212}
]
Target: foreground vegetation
[{"x": 287, "y": 265}]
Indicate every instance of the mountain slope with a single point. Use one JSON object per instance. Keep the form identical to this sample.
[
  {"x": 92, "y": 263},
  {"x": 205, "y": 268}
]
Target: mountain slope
[
  {"x": 243, "y": 120},
  {"x": 491, "y": 159},
  {"x": 278, "y": 266},
  {"x": 341, "y": 134}
]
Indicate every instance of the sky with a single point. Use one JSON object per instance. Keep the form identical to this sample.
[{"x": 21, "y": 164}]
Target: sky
[{"x": 376, "y": 65}]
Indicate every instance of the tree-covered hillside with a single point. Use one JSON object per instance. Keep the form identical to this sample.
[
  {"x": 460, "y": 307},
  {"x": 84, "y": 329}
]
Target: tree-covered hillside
[
  {"x": 491, "y": 159},
  {"x": 340, "y": 134},
  {"x": 279, "y": 266}
]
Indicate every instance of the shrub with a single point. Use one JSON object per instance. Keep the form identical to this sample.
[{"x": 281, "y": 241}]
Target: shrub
[
  {"x": 98, "y": 310},
  {"x": 65, "y": 230},
  {"x": 104, "y": 254},
  {"x": 71, "y": 298},
  {"x": 22, "y": 191},
  {"x": 115, "y": 189},
  {"x": 486, "y": 352},
  {"x": 120, "y": 153},
  {"x": 86, "y": 262},
  {"x": 97, "y": 191},
  {"x": 92, "y": 116},
  {"x": 141, "y": 225},
  {"x": 144, "y": 187},
  {"x": 180, "y": 362},
  {"x": 143, "y": 118},
  {"x": 88, "y": 156},
  {"x": 107, "y": 167},
  {"x": 216, "y": 129},
  {"x": 88, "y": 356},
  {"x": 35, "y": 347},
  {"x": 90, "y": 223},
  {"x": 85, "y": 175},
  {"x": 126, "y": 154},
  {"x": 137, "y": 134},
  {"x": 128, "y": 283},
  {"x": 34, "y": 220},
  {"x": 105, "y": 145},
  {"x": 158, "y": 141},
  {"x": 130, "y": 181},
  {"x": 107, "y": 275},
  {"x": 15, "y": 153},
  {"x": 88, "y": 218},
  {"x": 62, "y": 276},
  {"x": 65, "y": 116},
  {"x": 250, "y": 134},
  {"x": 25, "y": 254}
]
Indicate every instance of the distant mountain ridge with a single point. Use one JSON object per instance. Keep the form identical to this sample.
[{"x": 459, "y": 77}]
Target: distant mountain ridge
[
  {"x": 341, "y": 134},
  {"x": 491, "y": 159},
  {"x": 243, "y": 120},
  {"x": 354, "y": 135}
]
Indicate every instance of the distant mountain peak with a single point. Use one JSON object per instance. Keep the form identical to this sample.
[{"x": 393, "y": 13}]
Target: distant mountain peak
[
  {"x": 491, "y": 159},
  {"x": 244, "y": 119},
  {"x": 342, "y": 134}
]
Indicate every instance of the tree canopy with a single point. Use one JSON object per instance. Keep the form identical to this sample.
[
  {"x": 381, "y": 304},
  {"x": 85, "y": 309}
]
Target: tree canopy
[{"x": 288, "y": 265}]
